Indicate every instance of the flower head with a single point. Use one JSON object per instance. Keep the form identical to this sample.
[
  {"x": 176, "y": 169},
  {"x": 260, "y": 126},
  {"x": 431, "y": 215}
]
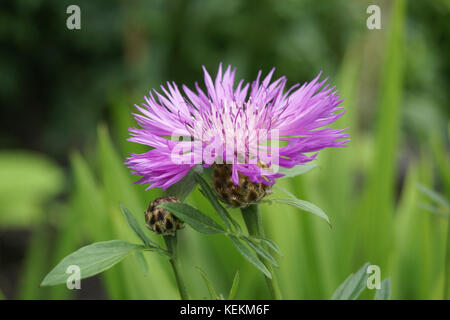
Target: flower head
[
  {"x": 255, "y": 128},
  {"x": 161, "y": 220}
]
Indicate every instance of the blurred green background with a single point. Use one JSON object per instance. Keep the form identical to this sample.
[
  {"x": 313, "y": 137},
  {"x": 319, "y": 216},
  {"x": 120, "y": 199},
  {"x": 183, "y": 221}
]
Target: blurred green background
[{"x": 66, "y": 101}]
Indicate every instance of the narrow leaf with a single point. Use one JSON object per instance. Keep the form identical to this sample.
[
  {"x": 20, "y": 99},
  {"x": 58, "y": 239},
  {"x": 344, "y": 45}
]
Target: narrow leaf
[
  {"x": 270, "y": 243},
  {"x": 306, "y": 206},
  {"x": 141, "y": 261},
  {"x": 131, "y": 221},
  {"x": 261, "y": 251},
  {"x": 249, "y": 255},
  {"x": 436, "y": 197},
  {"x": 212, "y": 292},
  {"x": 285, "y": 191},
  {"x": 184, "y": 187},
  {"x": 193, "y": 217},
  {"x": 433, "y": 209},
  {"x": 91, "y": 260},
  {"x": 384, "y": 293},
  {"x": 234, "y": 286},
  {"x": 297, "y": 170},
  {"x": 352, "y": 287},
  {"x": 209, "y": 194}
]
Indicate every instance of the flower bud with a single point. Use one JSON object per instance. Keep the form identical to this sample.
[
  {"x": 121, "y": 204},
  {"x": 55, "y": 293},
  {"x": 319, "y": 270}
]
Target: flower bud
[
  {"x": 242, "y": 195},
  {"x": 160, "y": 220}
]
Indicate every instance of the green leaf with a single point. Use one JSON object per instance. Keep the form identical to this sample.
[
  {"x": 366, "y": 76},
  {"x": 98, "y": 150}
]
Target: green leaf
[
  {"x": 234, "y": 286},
  {"x": 384, "y": 293},
  {"x": 116, "y": 180},
  {"x": 209, "y": 194},
  {"x": 29, "y": 181},
  {"x": 141, "y": 261},
  {"x": 285, "y": 191},
  {"x": 306, "y": 206},
  {"x": 193, "y": 217},
  {"x": 184, "y": 187},
  {"x": 131, "y": 221},
  {"x": 89, "y": 199},
  {"x": 436, "y": 197},
  {"x": 352, "y": 287},
  {"x": 249, "y": 255},
  {"x": 261, "y": 251},
  {"x": 436, "y": 210},
  {"x": 297, "y": 170},
  {"x": 270, "y": 243},
  {"x": 212, "y": 292},
  {"x": 378, "y": 198},
  {"x": 34, "y": 266},
  {"x": 91, "y": 260}
]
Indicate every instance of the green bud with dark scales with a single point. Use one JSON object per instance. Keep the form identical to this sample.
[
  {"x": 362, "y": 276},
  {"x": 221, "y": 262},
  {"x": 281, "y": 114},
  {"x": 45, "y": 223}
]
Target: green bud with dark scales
[
  {"x": 160, "y": 220},
  {"x": 242, "y": 195}
]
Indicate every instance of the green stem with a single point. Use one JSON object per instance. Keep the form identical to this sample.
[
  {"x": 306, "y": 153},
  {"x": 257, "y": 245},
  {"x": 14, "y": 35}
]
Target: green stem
[
  {"x": 171, "y": 243},
  {"x": 447, "y": 265},
  {"x": 252, "y": 218}
]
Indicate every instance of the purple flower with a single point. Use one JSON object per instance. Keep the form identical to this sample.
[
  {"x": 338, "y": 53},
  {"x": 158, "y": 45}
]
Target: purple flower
[{"x": 255, "y": 128}]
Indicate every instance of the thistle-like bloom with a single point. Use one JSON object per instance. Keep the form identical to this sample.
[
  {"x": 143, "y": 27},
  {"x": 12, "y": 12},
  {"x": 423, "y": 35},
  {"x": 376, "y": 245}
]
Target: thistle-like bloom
[{"x": 254, "y": 128}]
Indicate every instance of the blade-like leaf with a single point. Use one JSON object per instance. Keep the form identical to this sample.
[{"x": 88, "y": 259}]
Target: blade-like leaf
[
  {"x": 261, "y": 251},
  {"x": 193, "y": 217},
  {"x": 28, "y": 181},
  {"x": 433, "y": 209},
  {"x": 297, "y": 170},
  {"x": 234, "y": 286},
  {"x": 270, "y": 243},
  {"x": 212, "y": 293},
  {"x": 436, "y": 197},
  {"x": 209, "y": 194},
  {"x": 378, "y": 198},
  {"x": 91, "y": 260},
  {"x": 135, "y": 226},
  {"x": 352, "y": 287},
  {"x": 249, "y": 255},
  {"x": 141, "y": 261},
  {"x": 384, "y": 293},
  {"x": 184, "y": 187},
  {"x": 285, "y": 191},
  {"x": 306, "y": 206}
]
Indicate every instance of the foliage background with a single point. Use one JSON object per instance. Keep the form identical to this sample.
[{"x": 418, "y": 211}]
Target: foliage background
[{"x": 67, "y": 98}]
